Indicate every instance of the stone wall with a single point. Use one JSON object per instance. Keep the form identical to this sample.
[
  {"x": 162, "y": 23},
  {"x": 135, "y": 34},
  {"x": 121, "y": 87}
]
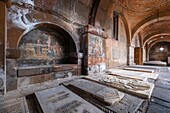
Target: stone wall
[
  {"x": 94, "y": 47},
  {"x": 116, "y": 50},
  {"x": 68, "y": 14},
  {"x": 156, "y": 55},
  {"x": 28, "y": 15},
  {"x": 71, "y": 16}
]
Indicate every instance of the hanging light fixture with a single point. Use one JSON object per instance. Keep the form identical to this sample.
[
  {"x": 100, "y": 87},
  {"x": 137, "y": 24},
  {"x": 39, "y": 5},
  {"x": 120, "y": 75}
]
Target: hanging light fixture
[{"x": 161, "y": 48}]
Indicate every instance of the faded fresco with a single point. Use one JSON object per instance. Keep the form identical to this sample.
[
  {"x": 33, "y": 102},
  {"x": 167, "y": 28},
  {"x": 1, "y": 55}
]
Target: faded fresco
[
  {"x": 41, "y": 45},
  {"x": 96, "y": 53}
]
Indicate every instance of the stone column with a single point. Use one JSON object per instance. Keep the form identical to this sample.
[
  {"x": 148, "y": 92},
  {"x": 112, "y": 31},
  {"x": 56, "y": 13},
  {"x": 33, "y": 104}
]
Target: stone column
[
  {"x": 130, "y": 53},
  {"x": 144, "y": 55},
  {"x": 128, "y": 57},
  {"x": 3, "y": 34},
  {"x": 147, "y": 53}
]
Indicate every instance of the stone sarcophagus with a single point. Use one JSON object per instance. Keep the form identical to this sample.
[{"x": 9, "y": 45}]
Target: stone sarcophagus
[{"x": 93, "y": 45}]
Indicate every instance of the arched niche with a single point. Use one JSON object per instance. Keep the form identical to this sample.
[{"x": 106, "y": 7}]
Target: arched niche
[{"x": 47, "y": 44}]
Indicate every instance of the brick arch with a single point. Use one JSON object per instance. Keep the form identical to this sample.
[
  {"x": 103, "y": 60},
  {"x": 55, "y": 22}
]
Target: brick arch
[
  {"x": 64, "y": 29},
  {"x": 151, "y": 36},
  {"x": 149, "y": 20},
  {"x": 157, "y": 41},
  {"x": 150, "y": 46},
  {"x": 58, "y": 47},
  {"x": 126, "y": 28}
]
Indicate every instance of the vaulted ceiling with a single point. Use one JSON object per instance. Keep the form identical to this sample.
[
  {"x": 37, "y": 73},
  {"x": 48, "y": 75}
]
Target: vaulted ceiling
[{"x": 150, "y": 18}]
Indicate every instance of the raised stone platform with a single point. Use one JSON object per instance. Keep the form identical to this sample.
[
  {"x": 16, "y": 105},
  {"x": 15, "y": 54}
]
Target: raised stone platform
[
  {"x": 156, "y": 63},
  {"x": 120, "y": 72},
  {"x": 62, "y": 100},
  {"x": 139, "y": 69},
  {"x": 155, "y": 68},
  {"x": 14, "y": 106},
  {"x": 136, "y": 87}
]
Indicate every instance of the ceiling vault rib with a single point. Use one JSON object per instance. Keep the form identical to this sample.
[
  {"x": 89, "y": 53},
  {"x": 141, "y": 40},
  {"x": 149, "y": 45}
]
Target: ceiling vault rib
[{"x": 93, "y": 11}]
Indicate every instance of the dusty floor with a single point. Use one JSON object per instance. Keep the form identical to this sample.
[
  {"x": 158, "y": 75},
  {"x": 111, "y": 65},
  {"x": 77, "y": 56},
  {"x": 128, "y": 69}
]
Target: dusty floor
[{"x": 160, "y": 100}]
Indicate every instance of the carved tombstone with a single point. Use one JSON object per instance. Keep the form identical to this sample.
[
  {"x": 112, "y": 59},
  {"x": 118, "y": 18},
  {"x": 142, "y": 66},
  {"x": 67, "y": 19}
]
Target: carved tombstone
[{"x": 62, "y": 100}]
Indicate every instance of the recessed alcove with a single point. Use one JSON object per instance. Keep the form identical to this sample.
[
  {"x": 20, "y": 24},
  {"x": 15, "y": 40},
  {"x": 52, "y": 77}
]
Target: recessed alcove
[
  {"x": 47, "y": 45},
  {"x": 46, "y": 52}
]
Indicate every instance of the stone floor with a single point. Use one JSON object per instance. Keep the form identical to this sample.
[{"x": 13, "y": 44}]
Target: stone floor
[{"x": 160, "y": 99}]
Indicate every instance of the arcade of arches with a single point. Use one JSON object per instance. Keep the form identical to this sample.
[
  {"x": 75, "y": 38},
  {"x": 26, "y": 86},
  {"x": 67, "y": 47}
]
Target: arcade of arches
[{"x": 114, "y": 55}]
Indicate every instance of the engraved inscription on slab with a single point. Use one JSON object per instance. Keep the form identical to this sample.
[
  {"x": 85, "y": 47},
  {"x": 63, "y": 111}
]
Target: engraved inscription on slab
[
  {"x": 139, "y": 88},
  {"x": 62, "y": 100},
  {"x": 14, "y": 106},
  {"x": 136, "y": 74}
]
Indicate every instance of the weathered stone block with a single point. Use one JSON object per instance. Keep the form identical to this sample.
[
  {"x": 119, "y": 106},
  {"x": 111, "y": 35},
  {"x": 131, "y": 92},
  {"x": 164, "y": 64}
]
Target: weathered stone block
[
  {"x": 34, "y": 70},
  {"x": 135, "y": 87},
  {"x": 23, "y": 81}
]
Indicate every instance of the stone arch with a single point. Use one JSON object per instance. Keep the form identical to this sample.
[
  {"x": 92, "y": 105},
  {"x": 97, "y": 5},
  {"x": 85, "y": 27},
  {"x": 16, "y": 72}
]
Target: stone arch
[
  {"x": 47, "y": 43},
  {"x": 151, "y": 36},
  {"x": 63, "y": 28},
  {"x": 157, "y": 41},
  {"x": 126, "y": 28},
  {"x": 149, "y": 20}
]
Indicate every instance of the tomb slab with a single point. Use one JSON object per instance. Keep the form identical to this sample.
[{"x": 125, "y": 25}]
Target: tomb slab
[{"x": 62, "y": 100}]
